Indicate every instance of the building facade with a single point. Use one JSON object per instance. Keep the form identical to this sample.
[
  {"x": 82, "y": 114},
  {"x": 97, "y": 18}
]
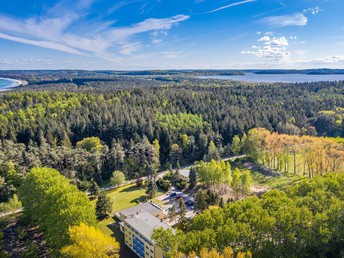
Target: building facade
[
  {"x": 137, "y": 230},
  {"x": 137, "y": 224}
]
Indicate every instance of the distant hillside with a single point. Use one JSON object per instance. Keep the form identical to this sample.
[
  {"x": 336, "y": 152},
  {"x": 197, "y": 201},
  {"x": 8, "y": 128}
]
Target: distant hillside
[{"x": 307, "y": 71}]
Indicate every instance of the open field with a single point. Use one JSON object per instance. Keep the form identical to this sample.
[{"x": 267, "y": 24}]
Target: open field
[
  {"x": 275, "y": 182},
  {"x": 126, "y": 196}
]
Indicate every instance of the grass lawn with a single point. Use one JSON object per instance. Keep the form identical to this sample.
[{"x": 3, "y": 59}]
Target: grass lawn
[
  {"x": 275, "y": 182},
  {"x": 126, "y": 196},
  {"x": 106, "y": 225},
  {"x": 123, "y": 197}
]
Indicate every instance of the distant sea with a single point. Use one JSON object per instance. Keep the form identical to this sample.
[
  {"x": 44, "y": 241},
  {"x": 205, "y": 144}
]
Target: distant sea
[
  {"x": 6, "y": 84},
  {"x": 285, "y": 78}
]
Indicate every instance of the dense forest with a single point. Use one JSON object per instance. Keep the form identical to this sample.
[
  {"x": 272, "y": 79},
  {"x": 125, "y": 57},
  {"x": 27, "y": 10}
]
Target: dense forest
[
  {"x": 304, "y": 221},
  {"x": 67, "y": 131},
  {"x": 140, "y": 129}
]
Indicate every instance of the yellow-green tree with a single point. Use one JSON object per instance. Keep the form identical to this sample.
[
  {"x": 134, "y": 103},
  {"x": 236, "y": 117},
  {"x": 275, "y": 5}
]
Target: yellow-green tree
[
  {"x": 88, "y": 242},
  {"x": 54, "y": 204},
  {"x": 90, "y": 144}
]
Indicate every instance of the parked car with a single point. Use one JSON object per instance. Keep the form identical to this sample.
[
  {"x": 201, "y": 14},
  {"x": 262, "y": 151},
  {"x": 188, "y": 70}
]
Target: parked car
[
  {"x": 173, "y": 194},
  {"x": 189, "y": 203}
]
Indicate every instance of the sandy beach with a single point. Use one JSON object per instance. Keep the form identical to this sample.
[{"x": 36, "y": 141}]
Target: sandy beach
[{"x": 14, "y": 83}]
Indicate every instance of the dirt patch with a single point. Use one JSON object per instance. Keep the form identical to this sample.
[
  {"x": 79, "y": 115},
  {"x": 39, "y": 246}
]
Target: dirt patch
[{"x": 258, "y": 190}]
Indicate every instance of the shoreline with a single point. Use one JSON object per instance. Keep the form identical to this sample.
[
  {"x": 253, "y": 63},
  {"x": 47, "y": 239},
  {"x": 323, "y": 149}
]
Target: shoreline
[{"x": 14, "y": 83}]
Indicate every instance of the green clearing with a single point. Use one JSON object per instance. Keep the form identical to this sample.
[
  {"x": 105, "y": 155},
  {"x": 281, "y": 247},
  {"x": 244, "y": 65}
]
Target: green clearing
[
  {"x": 126, "y": 196},
  {"x": 123, "y": 197},
  {"x": 280, "y": 183}
]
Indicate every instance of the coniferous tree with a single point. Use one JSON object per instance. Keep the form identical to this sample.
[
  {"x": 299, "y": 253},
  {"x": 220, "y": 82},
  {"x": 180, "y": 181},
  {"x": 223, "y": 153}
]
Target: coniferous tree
[
  {"x": 221, "y": 204},
  {"x": 200, "y": 201},
  {"x": 151, "y": 189},
  {"x": 192, "y": 178},
  {"x": 181, "y": 214},
  {"x": 103, "y": 206}
]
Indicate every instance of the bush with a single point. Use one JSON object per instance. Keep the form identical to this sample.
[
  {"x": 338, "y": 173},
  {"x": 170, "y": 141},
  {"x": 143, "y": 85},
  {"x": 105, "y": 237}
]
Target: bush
[
  {"x": 181, "y": 185},
  {"x": 163, "y": 184}
]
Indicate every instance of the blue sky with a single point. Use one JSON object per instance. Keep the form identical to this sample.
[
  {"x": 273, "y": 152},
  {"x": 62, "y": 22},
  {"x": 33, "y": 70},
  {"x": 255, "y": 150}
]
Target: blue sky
[{"x": 163, "y": 34}]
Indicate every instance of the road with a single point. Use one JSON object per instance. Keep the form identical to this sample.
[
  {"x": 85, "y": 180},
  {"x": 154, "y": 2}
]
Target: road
[
  {"x": 162, "y": 173},
  {"x": 106, "y": 188}
]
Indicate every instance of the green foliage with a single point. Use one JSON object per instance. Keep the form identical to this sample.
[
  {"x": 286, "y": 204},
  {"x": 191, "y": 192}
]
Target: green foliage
[
  {"x": 304, "y": 221},
  {"x": 117, "y": 178},
  {"x": 181, "y": 184},
  {"x": 90, "y": 144},
  {"x": 182, "y": 123},
  {"x": 214, "y": 172},
  {"x": 167, "y": 241},
  {"x": 103, "y": 206},
  {"x": 200, "y": 201},
  {"x": 152, "y": 189},
  {"x": 11, "y": 205},
  {"x": 164, "y": 184},
  {"x": 192, "y": 178},
  {"x": 213, "y": 152},
  {"x": 241, "y": 182},
  {"x": 94, "y": 190},
  {"x": 246, "y": 182},
  {"x": 51, "y": 201},
  {"x": 41, "y": 128},
  {"x": 236, "y": 145},
  {"x": 181, "y": 214}
]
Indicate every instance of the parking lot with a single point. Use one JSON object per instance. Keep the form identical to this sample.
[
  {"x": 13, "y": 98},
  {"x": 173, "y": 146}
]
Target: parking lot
[{"x": 172, "y": 198}]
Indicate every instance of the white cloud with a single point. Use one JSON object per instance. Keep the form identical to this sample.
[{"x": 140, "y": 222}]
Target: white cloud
[
  {"x": 128, "y": 49},
  {"x": 157, "y": 41},
  {"x": 329, "y": 60},
  {"x": 62, "y": 28},
  {"x": 230, "y": 5},
  {"x": 265, "y": 38},
  {"x": 297, "y": 19},
  {"x": 44, "y": 44},
  {"x": 274, "y": 49},
  {"x": 274, "y": 41},
  {"x": 301, "y": 52},
  {"x": 314, "y": 11}
]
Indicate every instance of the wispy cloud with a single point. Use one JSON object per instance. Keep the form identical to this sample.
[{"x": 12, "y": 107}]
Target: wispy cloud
[
  {"x": 229, "y": 6},
  {"x": 63, "y": 29},
  {"x": 44, "y": 44},
  {"x": 297, "y": 19}
]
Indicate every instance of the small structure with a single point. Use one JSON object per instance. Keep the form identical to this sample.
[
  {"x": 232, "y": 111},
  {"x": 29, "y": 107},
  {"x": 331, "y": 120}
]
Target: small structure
[{"x": 184, "y": 175}]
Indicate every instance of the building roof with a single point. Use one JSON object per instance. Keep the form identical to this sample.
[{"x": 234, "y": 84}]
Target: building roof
[
  {"x": 145, "y": 223},
  {"x": 143, "y": 207},
  {"x": 185, "y": 172}
]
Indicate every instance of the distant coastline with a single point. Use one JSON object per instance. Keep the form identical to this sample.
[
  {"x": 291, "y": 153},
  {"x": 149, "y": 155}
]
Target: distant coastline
[{"x": 12, "y": 83}]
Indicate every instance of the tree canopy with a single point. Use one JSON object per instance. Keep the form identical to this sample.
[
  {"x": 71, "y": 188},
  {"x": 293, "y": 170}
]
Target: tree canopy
[{"x": 54, "y": 204}]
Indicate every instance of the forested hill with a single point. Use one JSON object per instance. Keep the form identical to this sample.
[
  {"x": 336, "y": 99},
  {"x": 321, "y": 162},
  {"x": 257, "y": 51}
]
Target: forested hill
[
  {"x": 137, "y": 129},
  {"x": 224, "y": 109}
]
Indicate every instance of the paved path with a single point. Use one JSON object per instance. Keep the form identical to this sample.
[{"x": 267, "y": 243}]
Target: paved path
[
  {"x": 106, "y": 188},
  {"x": 161, "y": 174}
]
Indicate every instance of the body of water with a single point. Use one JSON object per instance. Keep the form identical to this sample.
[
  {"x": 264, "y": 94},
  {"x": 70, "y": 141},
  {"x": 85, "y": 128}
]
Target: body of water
[
  {"x": 285, "y": 78},
  {"x": 6, "y": 84}
]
